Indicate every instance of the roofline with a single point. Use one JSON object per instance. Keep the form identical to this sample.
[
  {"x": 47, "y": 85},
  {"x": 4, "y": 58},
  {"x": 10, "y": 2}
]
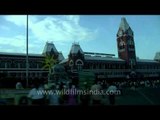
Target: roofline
[
  {"x": 94, "y": 53},
  {"x": 21, "y": 54}
]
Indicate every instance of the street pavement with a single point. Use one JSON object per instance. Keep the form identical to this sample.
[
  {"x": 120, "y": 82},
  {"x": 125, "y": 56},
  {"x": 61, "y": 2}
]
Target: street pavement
[{"x": 139, "y": 96}]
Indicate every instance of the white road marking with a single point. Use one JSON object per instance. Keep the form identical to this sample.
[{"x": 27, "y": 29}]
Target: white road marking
[{"x": 149, "y": 100}]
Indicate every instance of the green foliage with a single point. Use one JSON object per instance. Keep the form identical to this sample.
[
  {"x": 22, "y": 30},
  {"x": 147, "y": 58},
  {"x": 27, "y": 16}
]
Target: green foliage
[{"x": 49, "y": 62}]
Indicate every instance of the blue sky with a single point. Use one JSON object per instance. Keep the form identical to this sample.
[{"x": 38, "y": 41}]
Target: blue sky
[{"x": 95, "y": 33}]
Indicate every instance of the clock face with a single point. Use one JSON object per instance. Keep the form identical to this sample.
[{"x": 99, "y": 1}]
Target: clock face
[{"x": 121, "y": 43}]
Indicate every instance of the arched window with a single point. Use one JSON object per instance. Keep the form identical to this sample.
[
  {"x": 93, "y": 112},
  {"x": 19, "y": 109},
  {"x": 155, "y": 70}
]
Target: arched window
[
  {"x": 94, "y": 66},
  {"x": 8, "y": 64},
  {"x": 91, "y": 66},
  {"x": 33, "y": 64},
  {"x": 79, "y": 64},
  {"x": 100, "y": 66},
  {"x": 23, "y": 64},
  {"x": 13, "y": 64},
  {"x": 2, "y": 64},
  {"x": 71, "y": 63}
]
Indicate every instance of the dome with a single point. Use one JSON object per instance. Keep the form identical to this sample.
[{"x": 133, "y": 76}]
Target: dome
[{"x": 57, "y": 69}]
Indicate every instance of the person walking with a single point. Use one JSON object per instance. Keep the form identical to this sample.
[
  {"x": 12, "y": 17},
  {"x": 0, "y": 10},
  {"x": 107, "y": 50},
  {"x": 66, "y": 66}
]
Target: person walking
[
  {"x": 111, "y": 91},
  {"x": 54, "y": 97},
  {"x": 85, "y": 97},
  {"x": 72, "y": 97},
  {"x": 96, "y": 93},
  {"x": 36, "y": 95}
]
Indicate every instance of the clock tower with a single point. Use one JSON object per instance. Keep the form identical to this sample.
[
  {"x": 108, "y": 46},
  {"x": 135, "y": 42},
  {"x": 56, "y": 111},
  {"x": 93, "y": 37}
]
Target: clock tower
[{"x": 125, "y": 44}]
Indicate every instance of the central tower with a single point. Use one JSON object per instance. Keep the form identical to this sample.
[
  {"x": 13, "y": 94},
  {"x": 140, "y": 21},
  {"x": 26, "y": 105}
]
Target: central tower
[{"x": 125, "y": 44}]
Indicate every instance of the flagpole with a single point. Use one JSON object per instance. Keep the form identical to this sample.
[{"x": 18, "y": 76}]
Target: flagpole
[{"x": 27, "y": 53}]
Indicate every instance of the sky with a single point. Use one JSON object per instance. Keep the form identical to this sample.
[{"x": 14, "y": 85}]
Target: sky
[{"x": 94, "y": 33}]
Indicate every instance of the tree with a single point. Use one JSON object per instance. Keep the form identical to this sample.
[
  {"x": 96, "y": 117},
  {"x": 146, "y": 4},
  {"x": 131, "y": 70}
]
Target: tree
[{"x": 49, "y": 62}]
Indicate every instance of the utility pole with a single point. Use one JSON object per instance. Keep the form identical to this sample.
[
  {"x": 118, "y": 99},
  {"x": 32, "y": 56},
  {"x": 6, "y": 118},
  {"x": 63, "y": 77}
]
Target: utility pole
[{"x": 27, "y": 52}]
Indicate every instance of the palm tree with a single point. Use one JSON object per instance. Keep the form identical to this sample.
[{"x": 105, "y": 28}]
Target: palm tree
[{"x": 49, "y": 62}]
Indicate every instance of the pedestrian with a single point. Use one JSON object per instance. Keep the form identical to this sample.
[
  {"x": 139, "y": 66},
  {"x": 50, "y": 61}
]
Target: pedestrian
[
  {"x": 36, "y": 95},
  {"x": 96, "y": 93},
  {"x": 19, "y": 85},
  {"x": 111, "y": 91},
  {"x": 54, "y": 97},
  {"x": 72, "y": 97},
  {"x": 85, "y": 96}
]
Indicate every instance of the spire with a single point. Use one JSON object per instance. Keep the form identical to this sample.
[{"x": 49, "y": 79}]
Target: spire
[
  {"x": 75, "y": 48},
  {"x": 60, "y": 56},
  {"x": 124, "y": 25},
  {"x": 124, "y": 28},
  {"x": 49, "y": 47},
  {"x": 157, "y": 56}
]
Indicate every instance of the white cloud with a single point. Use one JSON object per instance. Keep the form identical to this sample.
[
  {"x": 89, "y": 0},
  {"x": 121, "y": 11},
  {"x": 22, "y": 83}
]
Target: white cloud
[
  {"x": 64, "y": 29},
  {"x": 14, "y": 44},
  {"x": 17, "y": 41},
  {"x": 51, "y": 28},
  {"x": 60, "y": 30},
  {"x": 74, "y": 18},
  {"x": 4, "y": 27},
  {"x": 17, "y": 44},
  {"x": 19, "y": 20}
]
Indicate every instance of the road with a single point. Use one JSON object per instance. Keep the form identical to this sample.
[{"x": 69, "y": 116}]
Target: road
[{"x": 140, "y": 96}]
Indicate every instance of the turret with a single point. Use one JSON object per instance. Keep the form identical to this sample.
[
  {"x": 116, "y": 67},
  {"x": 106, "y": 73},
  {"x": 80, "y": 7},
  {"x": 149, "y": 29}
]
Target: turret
[
  {"x": 125, "y": 44},
  {"x": 76, "y": 57}
]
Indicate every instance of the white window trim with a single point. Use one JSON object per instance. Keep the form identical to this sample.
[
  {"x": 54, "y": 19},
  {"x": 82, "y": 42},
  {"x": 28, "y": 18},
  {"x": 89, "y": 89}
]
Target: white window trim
[
  {"x": 80, "y": 61},
  {"x": 71, "y": 63}
]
